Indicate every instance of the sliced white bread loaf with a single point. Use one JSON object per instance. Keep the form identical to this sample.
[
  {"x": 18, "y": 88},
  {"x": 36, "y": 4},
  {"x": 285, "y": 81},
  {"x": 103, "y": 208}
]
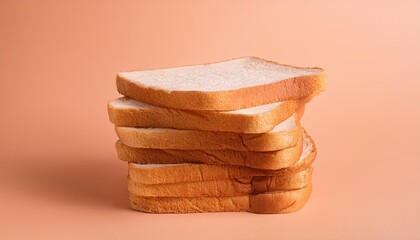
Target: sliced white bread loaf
[{"x": 229, "y": 85}]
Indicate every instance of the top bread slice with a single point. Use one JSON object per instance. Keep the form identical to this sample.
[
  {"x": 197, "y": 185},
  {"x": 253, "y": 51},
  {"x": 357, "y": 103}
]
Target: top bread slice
[
  {"x": 125, "y": 112},
  {"x": 229, "y": 85}
]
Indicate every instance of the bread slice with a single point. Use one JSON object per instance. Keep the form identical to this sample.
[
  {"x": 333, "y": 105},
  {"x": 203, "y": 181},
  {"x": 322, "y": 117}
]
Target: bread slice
[
  {"x": 187, "y": 172},
  {"x": 284, "y": 135},
  {"x": 272, "y": 202},
  {"x": 262, "y": 160},
  {"x": 225, "y": 187},
  {"x": 125, "y": 112},
  {"x": 229, "y": 85}
]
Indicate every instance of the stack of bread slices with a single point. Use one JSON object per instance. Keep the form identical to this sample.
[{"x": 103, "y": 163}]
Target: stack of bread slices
[{"x": 219, "y": 137}]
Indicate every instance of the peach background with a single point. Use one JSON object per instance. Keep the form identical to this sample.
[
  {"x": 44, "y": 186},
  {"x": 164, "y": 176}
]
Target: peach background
[{"x": 59, "y": 174}]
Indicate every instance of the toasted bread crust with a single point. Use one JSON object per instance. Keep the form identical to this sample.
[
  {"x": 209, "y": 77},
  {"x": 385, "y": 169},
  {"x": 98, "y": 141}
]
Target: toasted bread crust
[
  {"x": 210, "y": 140},
  {"x": 206, "y": 172},
  {"x": 281, "y": 202},
  {"x": 262, "y": 160},
  {"x": 160, "y": 117},
  {"x": 224, "y": 187},
  {"x": 204, "y": 140},
  {"x": 272, "y": 202}
]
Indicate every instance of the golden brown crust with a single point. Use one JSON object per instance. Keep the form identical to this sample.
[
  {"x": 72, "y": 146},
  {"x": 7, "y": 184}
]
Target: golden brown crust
[
  {"x": 262, "y": 160},
  {"x": 282, "y": 202},
  {"x": 210, "y": 140},
  {"x": 224, "y": 187},
  {"x": 216, "y": 188},
  {"x": 206, "y": 140},
  {"x": 160, "y": 117},
  {"x": 273, "y": 202},
  {"x": 189, "y": 205},
  {"x": 283, "y": 90},
  {"x": 206, "y": 172},
  {"x": 288, "y": 181}
]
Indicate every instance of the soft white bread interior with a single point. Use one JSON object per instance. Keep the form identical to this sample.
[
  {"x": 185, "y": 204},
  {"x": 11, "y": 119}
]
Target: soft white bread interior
[
  {"x": 216, "y": 77},
  {"x": 234, "y": 84}
]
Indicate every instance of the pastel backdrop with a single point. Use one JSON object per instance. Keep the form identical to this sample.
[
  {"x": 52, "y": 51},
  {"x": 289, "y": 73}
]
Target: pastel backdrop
[{"x": 59, "y": 173}]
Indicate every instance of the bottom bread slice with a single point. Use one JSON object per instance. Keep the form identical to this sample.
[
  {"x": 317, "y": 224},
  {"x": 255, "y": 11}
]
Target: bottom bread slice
[
  {"x": 272, "y": 202},
  {"x": 224, "y": 187}
]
